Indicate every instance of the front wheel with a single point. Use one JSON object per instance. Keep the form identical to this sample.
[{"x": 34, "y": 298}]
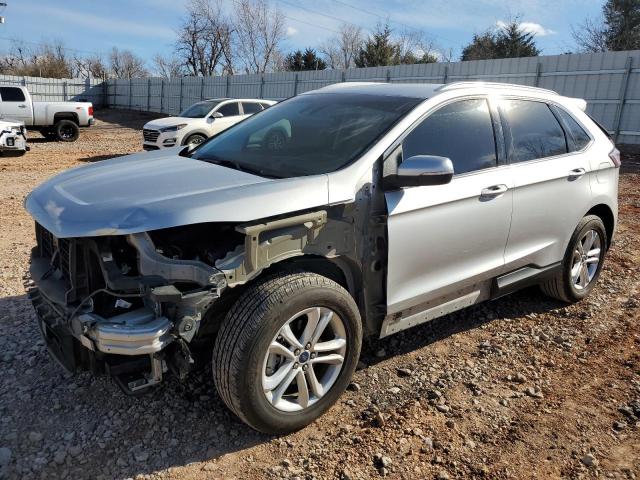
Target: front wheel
[
  {"x": 582, "y": 262},
  {"x": 287, "y": 350},
  {"x": 195, "y": 140}
]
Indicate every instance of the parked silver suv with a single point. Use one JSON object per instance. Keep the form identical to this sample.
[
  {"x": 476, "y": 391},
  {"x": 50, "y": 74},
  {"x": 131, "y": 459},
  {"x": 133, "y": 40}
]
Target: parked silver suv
[{"x": 385, "y": 206}]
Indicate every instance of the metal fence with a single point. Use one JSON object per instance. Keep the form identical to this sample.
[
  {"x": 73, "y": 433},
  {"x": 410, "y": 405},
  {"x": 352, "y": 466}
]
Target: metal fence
[
  {"x": 60, "y": 89},
  {"x": 610, "y": 82}
]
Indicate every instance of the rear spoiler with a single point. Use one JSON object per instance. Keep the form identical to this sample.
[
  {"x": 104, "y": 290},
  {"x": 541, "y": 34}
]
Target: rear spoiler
[{"x": 578, "y": 102}]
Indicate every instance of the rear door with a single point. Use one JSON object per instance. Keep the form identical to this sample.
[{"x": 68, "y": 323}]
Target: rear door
[
  {"x": 551, "y": 182},
  {"x": 14, "y": 105},
  {"x": 445, "y": 238}
]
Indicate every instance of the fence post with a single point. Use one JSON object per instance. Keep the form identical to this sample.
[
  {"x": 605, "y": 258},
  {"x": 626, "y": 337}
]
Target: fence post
[
  {"x": 295, "y": 85},
  {"x": 622, "y": 97},
  {"x": 446, "y": 74},
  {"x": 130, "y": 93},
  {"x": 24, "y": 81},
  {"x": 262, "y": 86},
  {"x": 536, "y": 80},
  {"x": 105, "y": 93},
  {"x": 344, "y": 76},
  {"x": 161, "y": 95},
  {"x": 149, "y": 95},
  {"x": 388, "y": 76},
  {"x": 202, "y": 89},
  {"x": 181, "y": 84},
  {"x": 64, "y": 90}
]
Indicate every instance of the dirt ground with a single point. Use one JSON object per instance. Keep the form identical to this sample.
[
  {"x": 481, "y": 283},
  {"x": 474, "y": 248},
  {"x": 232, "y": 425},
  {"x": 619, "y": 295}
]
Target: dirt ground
[{"x": 521, "y": 387}]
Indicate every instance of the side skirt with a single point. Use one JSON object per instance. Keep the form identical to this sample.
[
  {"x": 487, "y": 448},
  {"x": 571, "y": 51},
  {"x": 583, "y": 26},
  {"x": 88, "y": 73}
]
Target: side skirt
[{"x": 488, "y": 290}]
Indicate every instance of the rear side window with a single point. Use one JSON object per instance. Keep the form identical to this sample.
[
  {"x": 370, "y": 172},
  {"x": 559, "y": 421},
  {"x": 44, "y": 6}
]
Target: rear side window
[
  {"x": 251, "y": 107},
  {"x": 230, "y": 109},
  {"x": 11, "y": 94},
  {"x": 461, "y": 131},
  {"x": 535, "y": 131},
  {"x": 577, "y": 137},
  {"x": 265, "y": 105}
]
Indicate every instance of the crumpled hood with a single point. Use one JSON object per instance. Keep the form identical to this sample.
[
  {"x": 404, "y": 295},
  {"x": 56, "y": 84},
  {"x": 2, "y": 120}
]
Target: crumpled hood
[{"x": 149, "y": 191}]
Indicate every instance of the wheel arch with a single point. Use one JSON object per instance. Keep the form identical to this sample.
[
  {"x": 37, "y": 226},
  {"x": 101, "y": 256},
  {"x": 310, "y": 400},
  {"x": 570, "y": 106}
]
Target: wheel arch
[
  {"x": 66, "y": 116},
  {"x": 605, "y": 213},
  {"x": 194, "y": 132}
]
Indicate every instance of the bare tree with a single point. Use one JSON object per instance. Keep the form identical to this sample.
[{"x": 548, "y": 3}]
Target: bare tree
[
  {"x": 204, "y": 39},
  {"x": 259, "y": 32},
  {"x": 342, "y": 50},
  {"x": 416, "y": 47},
  {"x": 590, "y": 36},
  {"x": 90, "y": 67},
  {"x": 167, "y": 67},
  {"x": 125, "y": 64},
  {"x": 47, "y": 60}
]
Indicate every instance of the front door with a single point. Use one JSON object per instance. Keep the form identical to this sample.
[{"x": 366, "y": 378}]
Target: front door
[
  {"x": 14, "y": 105},
  {"x": 445, "y": 238},
  {"x": 231, "y": 115}
]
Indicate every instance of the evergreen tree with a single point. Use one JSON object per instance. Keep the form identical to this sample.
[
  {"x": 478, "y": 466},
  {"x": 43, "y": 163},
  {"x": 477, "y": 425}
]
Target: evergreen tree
[
  {"x": 307, "y": 60},
  {"x": 510, "y": 41},
  {"x": 379, "y": 50},
  {"x": 622, "y": 24}
]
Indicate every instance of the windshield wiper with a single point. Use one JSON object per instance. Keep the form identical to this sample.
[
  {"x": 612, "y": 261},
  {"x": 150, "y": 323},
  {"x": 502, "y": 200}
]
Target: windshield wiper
[{"x": 236, "y": 166}]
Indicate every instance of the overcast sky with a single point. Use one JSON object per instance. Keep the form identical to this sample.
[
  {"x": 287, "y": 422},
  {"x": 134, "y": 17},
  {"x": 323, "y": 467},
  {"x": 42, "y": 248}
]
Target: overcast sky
[{"x": 148, "y": 26}]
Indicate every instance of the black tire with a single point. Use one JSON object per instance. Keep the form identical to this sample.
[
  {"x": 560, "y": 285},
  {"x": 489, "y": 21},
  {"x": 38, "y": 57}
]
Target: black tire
[
  {"x": 195, "y": 139},
  {"x": 275, "y": 140},
  {"x": 562, "y": 286},
  {"x": 66, "y": 131},
  {"x": 246, "y": 333}
]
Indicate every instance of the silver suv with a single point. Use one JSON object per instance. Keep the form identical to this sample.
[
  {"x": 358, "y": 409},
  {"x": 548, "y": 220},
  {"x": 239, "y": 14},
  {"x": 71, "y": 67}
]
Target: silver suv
[{"x": 382, "y": 207}]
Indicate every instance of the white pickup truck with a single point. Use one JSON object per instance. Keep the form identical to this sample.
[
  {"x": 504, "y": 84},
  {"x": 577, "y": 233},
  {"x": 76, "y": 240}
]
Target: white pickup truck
[{"x": 55, "y": 120}]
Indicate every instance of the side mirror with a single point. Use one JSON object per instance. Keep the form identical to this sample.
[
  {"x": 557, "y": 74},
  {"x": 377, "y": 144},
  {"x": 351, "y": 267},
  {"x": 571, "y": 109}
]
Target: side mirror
[
  {"x": 421, "y": 170},
  {"x": 216, "y": 115}
]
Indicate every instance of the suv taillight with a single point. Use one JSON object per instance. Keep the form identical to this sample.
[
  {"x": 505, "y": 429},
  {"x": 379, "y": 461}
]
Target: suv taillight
[
  {"x": 91, "y": 111},
  {"x": 614, "y": 155}
]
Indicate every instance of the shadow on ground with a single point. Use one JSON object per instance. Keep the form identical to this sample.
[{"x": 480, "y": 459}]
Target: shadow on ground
[{"x": 177, "y": 423}]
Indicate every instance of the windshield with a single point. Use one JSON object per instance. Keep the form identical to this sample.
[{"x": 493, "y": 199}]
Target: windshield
[
  {"x": 306, "y": 135},
  {"x": 200, "y": 109}
]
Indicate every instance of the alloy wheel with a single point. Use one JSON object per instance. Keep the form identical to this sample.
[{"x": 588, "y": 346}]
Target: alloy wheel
[{"x": 586, "y": 258}]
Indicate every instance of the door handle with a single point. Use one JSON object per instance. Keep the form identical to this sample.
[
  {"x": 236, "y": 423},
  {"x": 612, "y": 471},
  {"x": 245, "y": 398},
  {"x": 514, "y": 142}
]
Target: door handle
[
  {"x": 22, "y": 106},
  {"x": 494, "y": 190},
  {"x": 577, "y": 172}
]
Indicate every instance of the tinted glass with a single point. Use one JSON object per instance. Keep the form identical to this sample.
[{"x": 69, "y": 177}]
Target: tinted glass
[
  {"x": 306, "y": 135},
  {"x": 200, "y": 109},
  {"x": 230, "y": 109},
  {"x": 10, "y": 94},
  {"x": 580, "y": 138},
  {"x": 265, "y": 105},
  {"x": 250, "y": 108},
  {"x": 461, "y": 131},
  {"x": 535, "y": 131}
]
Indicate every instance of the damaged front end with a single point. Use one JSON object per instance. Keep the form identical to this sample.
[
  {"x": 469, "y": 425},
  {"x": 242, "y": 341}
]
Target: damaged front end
[{"x": 120, "y": 304}]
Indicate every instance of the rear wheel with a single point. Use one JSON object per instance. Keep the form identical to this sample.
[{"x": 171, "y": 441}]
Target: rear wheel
[
  {"x": 66, "y": 131},
  {"x": 275, "y": 140},
  {"x": 287, "y": 350},
  {"x": 582, "y": 262}
]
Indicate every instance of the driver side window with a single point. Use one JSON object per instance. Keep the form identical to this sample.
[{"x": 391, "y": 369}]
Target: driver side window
[
  {"x": 229, "y": 109},
  {"x": 461, "y": 131}
]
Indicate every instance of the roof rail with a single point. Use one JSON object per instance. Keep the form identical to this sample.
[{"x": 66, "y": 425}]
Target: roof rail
[{"x": 454, "y": 85}]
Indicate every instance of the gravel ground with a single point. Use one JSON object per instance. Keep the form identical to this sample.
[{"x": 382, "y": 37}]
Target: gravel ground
[{"x": 521, "y": 387}]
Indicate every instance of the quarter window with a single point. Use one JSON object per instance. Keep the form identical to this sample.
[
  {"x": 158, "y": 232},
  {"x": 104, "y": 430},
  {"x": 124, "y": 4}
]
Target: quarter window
[
  {"x": 461, "y": 131},
  {"x": 535, "y": 131},
  {"x": 251, "y": 107},
  {"x": 11, "y": 94},
  {"x": 229, "y": 109},
  {"x": 579, "y": 138}
]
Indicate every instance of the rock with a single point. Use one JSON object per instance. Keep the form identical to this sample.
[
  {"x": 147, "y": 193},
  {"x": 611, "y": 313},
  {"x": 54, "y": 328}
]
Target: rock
[
  {"x": 443, "y": 408},
  {"x": 520, "y": 378},
  {"x": 589, "y": 460},
  {"x": 75, "y": 450},
  {"x": 533, "y": 392},
  {"x": 353, "y": 386},
  {"x": 619, "y": 426},
  {"x": 381, "y": 353},
  {"x": 442, "y": 475},
  {"x": 35, "y": 437},
  {"x": 428, "y": 443},
  {"x": 450, "y": 423},
  {"x": 210, "y": 467},
  {"x": 60, "y": 456},
  {"x": 404, "y": 372},
  {"x": 381, "y": 461},
  {"x": 470, "y": 443},
  {"x": 378, "y": 419},
  {"x": 141, "y": 456},
  {"x": 5, "y": 456},
  {"x": 286, "y": 463},
  {"x": 394, "y": 390}
]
